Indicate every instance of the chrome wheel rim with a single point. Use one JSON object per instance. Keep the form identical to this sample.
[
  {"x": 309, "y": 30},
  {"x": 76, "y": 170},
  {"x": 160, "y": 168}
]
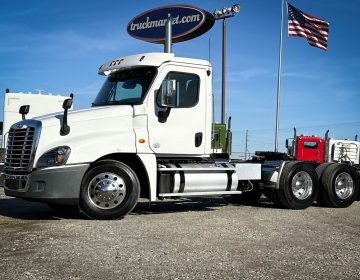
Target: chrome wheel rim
[
  {"x": 106, "y": 190},
  {"x": 302, "y": 185},
  {"x": 344, "y": 185}
]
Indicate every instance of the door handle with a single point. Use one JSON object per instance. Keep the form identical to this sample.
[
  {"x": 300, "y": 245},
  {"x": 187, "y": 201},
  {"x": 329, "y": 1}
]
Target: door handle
[{"x": 198, "y": 139}]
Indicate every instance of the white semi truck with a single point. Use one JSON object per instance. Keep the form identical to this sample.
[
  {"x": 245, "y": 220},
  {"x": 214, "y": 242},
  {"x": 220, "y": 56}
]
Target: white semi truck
[{"x": 149, "y": 134}]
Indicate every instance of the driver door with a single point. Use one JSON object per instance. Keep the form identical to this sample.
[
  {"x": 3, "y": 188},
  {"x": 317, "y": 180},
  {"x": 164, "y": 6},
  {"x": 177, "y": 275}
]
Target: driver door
[{"x": 180, "y": 130}]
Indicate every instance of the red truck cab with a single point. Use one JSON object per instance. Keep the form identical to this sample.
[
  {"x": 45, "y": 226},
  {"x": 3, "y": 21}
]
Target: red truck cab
[{"x": 310, "y": 148}]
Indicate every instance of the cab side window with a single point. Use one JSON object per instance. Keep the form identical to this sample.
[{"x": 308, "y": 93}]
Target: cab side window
[{"x": 187, "y": 89}]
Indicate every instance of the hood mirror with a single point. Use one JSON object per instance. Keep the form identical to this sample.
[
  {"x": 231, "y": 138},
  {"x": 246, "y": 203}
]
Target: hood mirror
[
  {"x": 65, "y": 128},
  {"x": 24, "y": 110}
]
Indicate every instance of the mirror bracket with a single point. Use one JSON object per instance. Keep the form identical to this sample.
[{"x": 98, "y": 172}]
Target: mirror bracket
[{"x": 163, "y": 115}]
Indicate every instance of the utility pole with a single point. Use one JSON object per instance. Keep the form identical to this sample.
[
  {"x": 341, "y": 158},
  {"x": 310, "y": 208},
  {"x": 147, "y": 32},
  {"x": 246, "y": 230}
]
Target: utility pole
[{"x": 246, "y": 142}]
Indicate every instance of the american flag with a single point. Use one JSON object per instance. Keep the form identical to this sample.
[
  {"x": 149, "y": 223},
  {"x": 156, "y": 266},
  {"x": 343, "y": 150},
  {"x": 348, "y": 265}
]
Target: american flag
[{"x": 315, "y": 30}]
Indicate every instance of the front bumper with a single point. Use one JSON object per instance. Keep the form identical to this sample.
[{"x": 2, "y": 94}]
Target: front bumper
[{"x": 60, "y": 185}]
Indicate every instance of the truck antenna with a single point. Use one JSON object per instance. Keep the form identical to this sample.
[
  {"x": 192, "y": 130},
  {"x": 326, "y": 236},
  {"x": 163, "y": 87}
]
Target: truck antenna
[{"x": 356, "y": 136}]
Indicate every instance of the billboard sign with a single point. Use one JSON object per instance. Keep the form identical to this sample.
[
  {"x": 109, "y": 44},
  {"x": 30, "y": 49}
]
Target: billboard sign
[{"x": 188, "y": 22}]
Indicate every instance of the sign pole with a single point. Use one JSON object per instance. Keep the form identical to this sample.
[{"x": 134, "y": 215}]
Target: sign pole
[
  {"x": 279, "y": 79},
  {"x": 168, "y": 35}
]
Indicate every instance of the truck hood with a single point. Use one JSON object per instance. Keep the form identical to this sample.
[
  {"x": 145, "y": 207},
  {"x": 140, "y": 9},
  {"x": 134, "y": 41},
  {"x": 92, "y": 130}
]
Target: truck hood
[
  {"x": 93, "y": 133},
  {"x": 85, "y": 115}
]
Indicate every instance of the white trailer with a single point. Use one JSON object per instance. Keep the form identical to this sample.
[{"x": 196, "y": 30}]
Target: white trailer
[{"x": 147, "y": 135}]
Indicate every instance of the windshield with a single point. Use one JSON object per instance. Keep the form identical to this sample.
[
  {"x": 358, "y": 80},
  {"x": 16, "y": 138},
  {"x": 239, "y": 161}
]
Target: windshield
[{"x": 125, "y": 87}]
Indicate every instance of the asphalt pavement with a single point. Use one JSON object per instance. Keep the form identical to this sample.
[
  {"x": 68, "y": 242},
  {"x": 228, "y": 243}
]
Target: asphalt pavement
[{"x": 181, "y": 239}]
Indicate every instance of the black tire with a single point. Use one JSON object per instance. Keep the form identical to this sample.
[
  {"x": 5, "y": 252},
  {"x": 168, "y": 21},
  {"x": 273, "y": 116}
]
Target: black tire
[
  {"x": 109, "y": 190},
  {"x": 246, "y": 198},
  {"x": 357, "y": 168},
  {"x": 320, "y": 169},
  {"x": 298, "y": 185},
  {"x": 343, "y": 174}
]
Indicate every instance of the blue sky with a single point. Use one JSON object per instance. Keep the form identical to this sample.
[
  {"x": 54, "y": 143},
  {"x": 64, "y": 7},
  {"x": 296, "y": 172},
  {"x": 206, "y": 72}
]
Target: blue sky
[{"x": 57, "y": 46}]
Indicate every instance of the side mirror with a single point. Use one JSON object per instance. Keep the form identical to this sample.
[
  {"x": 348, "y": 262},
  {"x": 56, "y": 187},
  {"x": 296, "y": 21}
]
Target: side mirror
[
  {"x": 287, "y": 143},
  {"x": 168, "y": 96},
  {"x": 65, "y": 128},
  {"x": 24, "y": 110},
  {"x": 67, "y": 103}
]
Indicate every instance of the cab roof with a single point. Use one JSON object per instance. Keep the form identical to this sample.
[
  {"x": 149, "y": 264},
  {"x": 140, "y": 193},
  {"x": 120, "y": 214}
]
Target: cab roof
[{"x": 146, "y": 59}]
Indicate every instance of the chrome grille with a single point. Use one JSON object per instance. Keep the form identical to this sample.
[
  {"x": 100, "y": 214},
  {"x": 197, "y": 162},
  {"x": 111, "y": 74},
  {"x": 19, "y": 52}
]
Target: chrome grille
[
  {"x": 19, "y": 150},
  {"x": 21, "y": 146}
]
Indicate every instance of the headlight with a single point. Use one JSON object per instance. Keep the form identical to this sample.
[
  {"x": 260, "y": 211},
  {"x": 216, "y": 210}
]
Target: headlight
[{"x": 54, "y": 157}]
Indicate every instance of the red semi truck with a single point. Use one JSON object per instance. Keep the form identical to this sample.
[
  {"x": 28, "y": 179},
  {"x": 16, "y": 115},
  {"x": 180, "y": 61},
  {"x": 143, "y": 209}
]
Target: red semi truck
[
  {"x": 324, "y": 149},
  {"x": 336, "y": 163}
]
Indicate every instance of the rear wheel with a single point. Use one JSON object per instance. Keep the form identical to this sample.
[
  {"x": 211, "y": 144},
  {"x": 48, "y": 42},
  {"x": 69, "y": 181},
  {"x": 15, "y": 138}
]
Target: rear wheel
[
  {"x": 298, "y": 185},
  {"x": 320, "y": 169},
  {"x": 109, "y": 190},
  {"x": 339, "y": 185}
]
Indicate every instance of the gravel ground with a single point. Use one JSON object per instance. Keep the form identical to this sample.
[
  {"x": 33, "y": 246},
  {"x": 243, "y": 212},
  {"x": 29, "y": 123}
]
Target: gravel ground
[{"x": 186, "y": 239}]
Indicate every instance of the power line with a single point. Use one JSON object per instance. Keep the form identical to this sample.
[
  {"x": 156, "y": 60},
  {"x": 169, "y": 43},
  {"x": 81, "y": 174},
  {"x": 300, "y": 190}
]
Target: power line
[{"x": 348, "y": 124}]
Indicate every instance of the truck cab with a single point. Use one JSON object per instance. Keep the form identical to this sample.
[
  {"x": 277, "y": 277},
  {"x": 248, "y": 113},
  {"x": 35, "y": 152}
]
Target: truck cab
[
  {"x": 308, "y": 148},
  {"x": 323, "y": 149},
  {"x": 148, "y": 133}
]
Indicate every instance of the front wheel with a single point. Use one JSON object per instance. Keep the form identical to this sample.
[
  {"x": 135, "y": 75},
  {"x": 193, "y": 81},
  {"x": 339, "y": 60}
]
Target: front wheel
[
  {"x": 109, "y": 190},
  {"x": 298, "y": 185}
]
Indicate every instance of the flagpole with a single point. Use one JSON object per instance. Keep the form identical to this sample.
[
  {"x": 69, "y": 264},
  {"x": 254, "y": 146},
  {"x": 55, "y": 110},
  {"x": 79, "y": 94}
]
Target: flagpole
[{"x": 279, "y": 79}]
